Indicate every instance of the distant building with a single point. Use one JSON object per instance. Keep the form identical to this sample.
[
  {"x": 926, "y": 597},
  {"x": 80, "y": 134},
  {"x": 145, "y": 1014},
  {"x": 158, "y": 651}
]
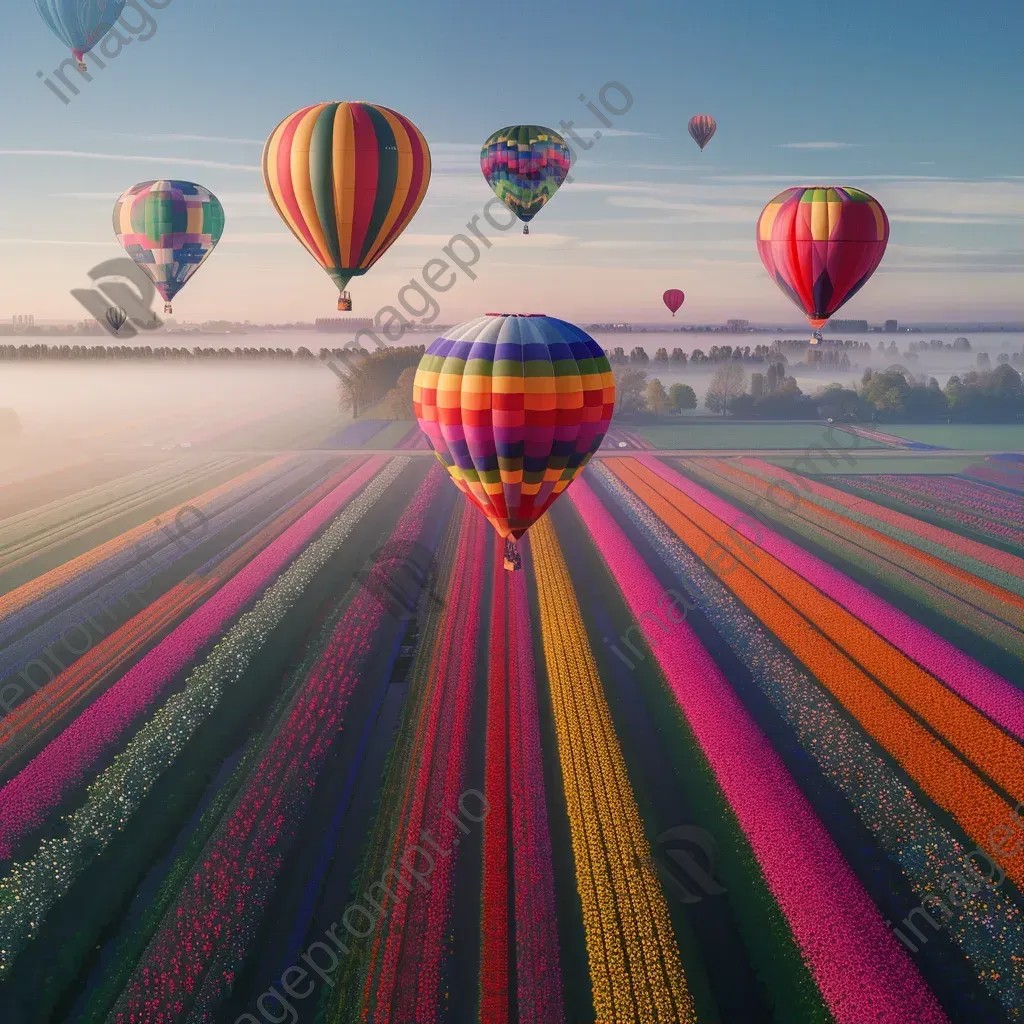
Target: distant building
[
  {"x": 891, "y": 326},
  {"x": 737, "y": 325},
  {"x": 343, "y": 324},
  {"x": 853, "y": 326}
]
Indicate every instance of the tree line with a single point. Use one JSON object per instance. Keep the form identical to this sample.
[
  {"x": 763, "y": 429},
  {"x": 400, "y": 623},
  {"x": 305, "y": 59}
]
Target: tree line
[
  {"x": 42, "y": 351},
  {"x": 892, "y": 395}
]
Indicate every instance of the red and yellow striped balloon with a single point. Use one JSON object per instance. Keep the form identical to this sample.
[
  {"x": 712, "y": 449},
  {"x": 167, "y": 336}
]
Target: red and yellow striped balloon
[{"x": 347, "y": 178}]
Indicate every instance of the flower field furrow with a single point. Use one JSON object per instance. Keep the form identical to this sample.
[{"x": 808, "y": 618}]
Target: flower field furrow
[
  {"x": 39, "y": 543},
  {"x": 418, "y": 981},
  {"x": 940, "y": 599},
  {"x": 999, "y": 567},
  {"x": 30, "y": 888},
  {"x": 948, "y": 715},
  {"x": 119, "y": 649},
  {"x": 989, "y": 599},
  {"x": 984, "y": 689},
  {"x": 205, "y": 937},
  {"x": 494, "y": 924},
  {"x": 76, "y": 567},
  {"x": 859, "y": 966},
  {"x": 992, "y": 589},
  {"x": 949, "y": 498},
  {"x": 932, "y": 765},
  {"x": 126, "y": 581},
  {"x": 989, "y": 927},
  {"x": 636, "y": 973},
  {"x": 538, "y": 971},
  {"x": 65, "y": 762}
]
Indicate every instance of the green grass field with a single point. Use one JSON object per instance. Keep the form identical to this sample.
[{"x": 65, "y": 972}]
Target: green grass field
[
  {"x": 746, "y": 435},
  {"x": 1007, "y": 437}
]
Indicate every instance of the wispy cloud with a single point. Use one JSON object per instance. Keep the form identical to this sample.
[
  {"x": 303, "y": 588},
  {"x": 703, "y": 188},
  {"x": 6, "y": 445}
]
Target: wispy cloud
[
  {"x": 817, "y": 145},
  {"x": 180, "y": 137},
  {"x": 54, "y": 241},
  {"x": 130, "y": 158}
]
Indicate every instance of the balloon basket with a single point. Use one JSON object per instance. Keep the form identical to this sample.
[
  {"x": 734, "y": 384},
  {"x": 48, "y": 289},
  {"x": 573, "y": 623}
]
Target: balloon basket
[
  {"x": 513, "y": 560},
  {"x": 167, "y": 308},
  {"x": 82, "y": 67},
  {"x": 344, "y": 303},
  {"x": 526, "y": 229}
]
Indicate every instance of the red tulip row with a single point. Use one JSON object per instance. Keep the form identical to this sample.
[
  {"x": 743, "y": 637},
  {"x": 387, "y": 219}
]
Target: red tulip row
[{"x": 410, "y": 954}]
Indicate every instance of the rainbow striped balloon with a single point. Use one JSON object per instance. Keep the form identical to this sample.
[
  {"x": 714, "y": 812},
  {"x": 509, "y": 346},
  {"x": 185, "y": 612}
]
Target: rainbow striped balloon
[
  {"x": 514, "y": 405},
  {"x": 346, "y": 178}
]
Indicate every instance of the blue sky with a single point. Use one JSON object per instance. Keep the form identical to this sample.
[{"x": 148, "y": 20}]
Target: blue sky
[{"x": 914, "y": 101}]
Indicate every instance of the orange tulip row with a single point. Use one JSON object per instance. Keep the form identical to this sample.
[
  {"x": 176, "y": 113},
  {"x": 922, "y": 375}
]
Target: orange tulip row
[
  {"x": 635, "y": 968},
  {"x": 950, "y": 782}
]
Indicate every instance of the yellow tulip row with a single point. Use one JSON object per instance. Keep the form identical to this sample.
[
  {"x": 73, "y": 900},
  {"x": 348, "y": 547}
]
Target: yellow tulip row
[{"x": 635, "y": 968}]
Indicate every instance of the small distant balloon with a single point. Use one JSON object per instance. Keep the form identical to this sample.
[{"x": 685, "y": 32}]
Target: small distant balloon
[
  {"x": 80, "y": 24},
  {"x": 701, "y": 128},
  {"x": 673, "y": 298},
  {"x": 169, "y": 228},
  {"x": 116, "y": 318},
  {"x": 525, "y": 164}
]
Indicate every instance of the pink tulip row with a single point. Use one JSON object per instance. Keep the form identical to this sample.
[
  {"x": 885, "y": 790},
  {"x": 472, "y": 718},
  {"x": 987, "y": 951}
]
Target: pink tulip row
[
  {"x": 985, "y": 689},
  {"x": 889, "y": 440},
  {"x": 1009, "y": 477},
  {"x": 953, "y": 542},
  {"x": 416, "y": 979},
  {"x": 861, "y": 969},
  {"x": 539, "y": 975},
  {"x": 204, "y": 940},
  {"x": 66, "y": 761}
]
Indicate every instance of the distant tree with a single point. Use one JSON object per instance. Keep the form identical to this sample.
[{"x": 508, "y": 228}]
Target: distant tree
[
  {"x": 961, "y": 345},
  {"x": 983, "y": 361},
  {"x": 638, "y": 355},
  {"x": 681, "y": 397},
  {"x": 729, "y": 382},
  {"x": 885, "y": 391},
  {"x": 630, "y": 383},
  {"x": 661, "y": 355},
  {"x": 679, "y": 356},
  {"x": 398, "y": 401},
  {"x": 1003, "y": 357},
  {"x": 657, "y": 399}
]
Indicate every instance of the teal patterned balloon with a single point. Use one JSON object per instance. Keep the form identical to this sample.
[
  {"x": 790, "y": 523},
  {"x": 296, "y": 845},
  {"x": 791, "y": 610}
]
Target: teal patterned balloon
[
  {"x": 80, "y": 24},
  {"x": 524, "y": 165},
  {"x": 169, "y": 228}
]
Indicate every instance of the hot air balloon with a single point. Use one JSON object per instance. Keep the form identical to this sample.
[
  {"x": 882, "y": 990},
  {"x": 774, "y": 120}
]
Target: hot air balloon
[
  {"x": 701, "y": 128},
  {"x": 116, "y": 318},
  {"x": 80, "y": 24},
  {"x": 673, "y": 298},
  {"x": 514, "y": 405},
  {"x": 346, "y": 178},
  {"x": 821, "y": 244},
  {"x": 524, "y": 165},
  {"x": 168, "y": 228}
]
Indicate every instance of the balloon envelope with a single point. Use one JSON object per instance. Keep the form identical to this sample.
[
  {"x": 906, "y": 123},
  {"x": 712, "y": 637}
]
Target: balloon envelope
[
  {"x": 80, "y": 24},
  {"x": 116, "y": 318},
  {"x": 514, "y": 406},
  {"x": 673, "y": 298},
  {"x": 525, "y": 164},
  {"x": 701, "y": 128},
  {"x": 821, "y": 244},
  {"x": 169, "y": 228},
  {"x": 346, "y": 178}
]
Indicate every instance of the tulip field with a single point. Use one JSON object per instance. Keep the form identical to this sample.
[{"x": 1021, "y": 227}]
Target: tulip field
[{"x": 281, "y": 740}]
